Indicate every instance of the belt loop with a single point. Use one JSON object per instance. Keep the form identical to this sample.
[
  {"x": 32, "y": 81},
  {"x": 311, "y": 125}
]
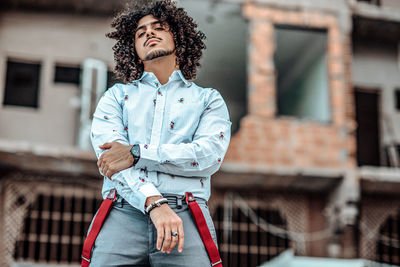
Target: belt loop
[
  {"x": 179, "y": 202},
  {"x": 119, "y": 201}
]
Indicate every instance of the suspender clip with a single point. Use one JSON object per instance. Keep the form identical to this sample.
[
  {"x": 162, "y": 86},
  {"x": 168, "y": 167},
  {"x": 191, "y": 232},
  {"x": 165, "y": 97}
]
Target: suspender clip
[
  {"x": 218, "y": 262},
  {"x": 88, "y": 260},
  {"x": 189, "y": 197},
  {"x": 112, "y": 195}
]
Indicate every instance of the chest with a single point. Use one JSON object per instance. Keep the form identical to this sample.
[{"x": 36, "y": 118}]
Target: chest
[{"x": 177, "y": 111}]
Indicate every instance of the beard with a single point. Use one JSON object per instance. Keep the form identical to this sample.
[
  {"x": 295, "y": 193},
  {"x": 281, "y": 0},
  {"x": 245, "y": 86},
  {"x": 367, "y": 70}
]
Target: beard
[{"x": 158, "y": 53}]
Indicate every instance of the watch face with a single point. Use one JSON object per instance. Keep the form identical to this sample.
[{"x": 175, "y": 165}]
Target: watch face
[{"x": 135, "y": 151}]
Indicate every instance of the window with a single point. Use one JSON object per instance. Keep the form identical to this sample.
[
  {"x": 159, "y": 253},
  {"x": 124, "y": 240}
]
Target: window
[
  {"x": 247, "y": 244},
  {"x": 22, "y": 84},
  {"x": 397, "y": 99},
  {"x": 302, "y": 80},
  {"x": 374, "y": 2},
  {"x": 54, "y": 229},
  {"x": 64, "y": 74},
  {"x": 387, "y": 247},
  {"x": 68, "y": 74}
]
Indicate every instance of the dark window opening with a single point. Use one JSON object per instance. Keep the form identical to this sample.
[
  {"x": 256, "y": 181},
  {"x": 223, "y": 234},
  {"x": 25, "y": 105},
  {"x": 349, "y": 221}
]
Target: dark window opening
[
  {"x": 387, "y": 247},
  {"x": 397, "y": 98},
  {"x": 65, "y": 74},
  {"x": 249, "y": 245},
  {"x": 373, "y": 2},
  {"x": 302, "y": 77},
  {"x": 54, "y": 229},
  {"x": 22, "y": 84},
  {"x": 368, "y": 137}
]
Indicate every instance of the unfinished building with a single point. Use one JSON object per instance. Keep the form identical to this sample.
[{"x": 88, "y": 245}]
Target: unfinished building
[{"x": 313, "y": 89}]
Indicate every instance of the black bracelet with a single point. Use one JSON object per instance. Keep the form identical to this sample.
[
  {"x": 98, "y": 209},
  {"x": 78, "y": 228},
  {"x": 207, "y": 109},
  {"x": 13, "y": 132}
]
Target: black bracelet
[{"x": 156, "y": 204}]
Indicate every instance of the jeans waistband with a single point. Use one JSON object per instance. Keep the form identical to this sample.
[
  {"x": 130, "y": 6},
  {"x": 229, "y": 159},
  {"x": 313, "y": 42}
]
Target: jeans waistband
[
  {"x": 179, "y": 200},
  {"x": 174, "y": 200}
]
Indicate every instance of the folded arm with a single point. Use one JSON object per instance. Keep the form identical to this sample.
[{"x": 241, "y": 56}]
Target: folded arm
[
  {"x": 108, "y": 126},
  {"x": 204, "y": 155}
]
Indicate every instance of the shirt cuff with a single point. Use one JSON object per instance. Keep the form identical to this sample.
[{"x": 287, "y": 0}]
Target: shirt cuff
[
  {"x": 149, "y": 190},
  {"x": 148, "y": 156}
]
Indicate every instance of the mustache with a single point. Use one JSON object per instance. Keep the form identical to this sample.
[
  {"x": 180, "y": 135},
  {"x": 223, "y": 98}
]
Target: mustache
[{"x": 145, "y": 43}]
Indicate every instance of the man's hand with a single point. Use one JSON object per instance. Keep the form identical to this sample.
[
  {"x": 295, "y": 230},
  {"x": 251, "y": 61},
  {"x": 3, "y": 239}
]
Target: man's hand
[
  {"x": 166, "y": 221},
  {"x": 116, "y": 159}
]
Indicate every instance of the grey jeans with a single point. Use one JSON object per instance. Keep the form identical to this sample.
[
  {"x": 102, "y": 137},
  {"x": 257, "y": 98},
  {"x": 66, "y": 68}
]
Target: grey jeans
[{"x": 128, "y": 238}]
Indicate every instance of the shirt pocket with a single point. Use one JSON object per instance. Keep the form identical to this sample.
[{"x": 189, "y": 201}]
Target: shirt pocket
[{"x": 184, "y": 117}]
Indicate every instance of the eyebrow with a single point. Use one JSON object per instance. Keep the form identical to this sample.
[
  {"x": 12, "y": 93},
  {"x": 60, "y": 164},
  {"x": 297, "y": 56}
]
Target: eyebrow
[{"x": 144, "y": 25}]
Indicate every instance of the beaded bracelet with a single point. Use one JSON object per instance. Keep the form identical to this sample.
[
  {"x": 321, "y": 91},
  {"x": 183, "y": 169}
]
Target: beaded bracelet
[{"x": 155, "y": 204}]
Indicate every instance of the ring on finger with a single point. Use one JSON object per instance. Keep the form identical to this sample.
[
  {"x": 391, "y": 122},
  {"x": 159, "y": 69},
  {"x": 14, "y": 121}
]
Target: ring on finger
[{"x": 174, "y": 233}]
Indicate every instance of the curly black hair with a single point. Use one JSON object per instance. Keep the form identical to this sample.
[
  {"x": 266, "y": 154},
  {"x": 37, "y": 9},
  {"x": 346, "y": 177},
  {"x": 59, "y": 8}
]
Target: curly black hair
[{"x": 188, "y": 40}]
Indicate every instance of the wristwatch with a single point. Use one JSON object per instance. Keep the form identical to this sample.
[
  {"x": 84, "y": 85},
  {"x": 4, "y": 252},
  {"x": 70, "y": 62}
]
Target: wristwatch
[{"x": 135, "y": 151}]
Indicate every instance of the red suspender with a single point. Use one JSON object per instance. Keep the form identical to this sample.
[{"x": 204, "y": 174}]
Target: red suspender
[
  {"x": 101, "y": 215},
  {"x": 196, "y": 213},
  {"x": 202, "y": 227}
]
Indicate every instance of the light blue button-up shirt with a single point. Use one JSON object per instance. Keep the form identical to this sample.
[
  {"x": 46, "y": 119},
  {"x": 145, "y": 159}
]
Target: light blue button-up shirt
[{"x": 183, "y": 131}]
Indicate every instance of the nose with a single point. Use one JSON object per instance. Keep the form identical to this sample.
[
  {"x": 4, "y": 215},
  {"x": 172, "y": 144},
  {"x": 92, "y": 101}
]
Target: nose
[{"x": 149, "y": 31}]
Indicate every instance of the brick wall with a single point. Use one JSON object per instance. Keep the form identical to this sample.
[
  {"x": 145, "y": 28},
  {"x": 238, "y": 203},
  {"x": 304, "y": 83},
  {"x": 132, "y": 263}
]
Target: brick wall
[{"x": 263, "y": 138}]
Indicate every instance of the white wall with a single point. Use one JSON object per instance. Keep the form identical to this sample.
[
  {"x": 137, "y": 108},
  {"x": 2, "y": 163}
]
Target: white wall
[{"x": 49, "y": 39}]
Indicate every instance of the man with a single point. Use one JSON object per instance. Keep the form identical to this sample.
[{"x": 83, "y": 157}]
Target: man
[{"x": 157, "y": 136}]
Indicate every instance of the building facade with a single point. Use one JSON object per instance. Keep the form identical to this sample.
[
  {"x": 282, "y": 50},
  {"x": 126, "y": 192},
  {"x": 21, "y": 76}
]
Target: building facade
[{"x": 313, "y": 89}]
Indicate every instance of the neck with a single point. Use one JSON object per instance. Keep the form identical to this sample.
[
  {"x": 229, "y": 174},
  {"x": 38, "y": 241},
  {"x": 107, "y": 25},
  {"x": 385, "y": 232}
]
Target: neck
[{"x": 162, "y": 67}]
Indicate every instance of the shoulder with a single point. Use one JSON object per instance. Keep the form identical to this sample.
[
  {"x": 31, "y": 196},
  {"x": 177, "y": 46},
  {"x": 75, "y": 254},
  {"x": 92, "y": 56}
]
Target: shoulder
[
  {"x": 208, "y": 93},
  {"x": 114, "y": 94},
  {"x": 118, "y": 90}
]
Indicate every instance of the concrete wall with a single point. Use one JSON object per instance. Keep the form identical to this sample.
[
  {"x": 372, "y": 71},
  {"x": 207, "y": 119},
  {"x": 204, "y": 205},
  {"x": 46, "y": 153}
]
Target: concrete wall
[
  {"x": 391, "y": 3},
  {"x": 49, "y": 39}
]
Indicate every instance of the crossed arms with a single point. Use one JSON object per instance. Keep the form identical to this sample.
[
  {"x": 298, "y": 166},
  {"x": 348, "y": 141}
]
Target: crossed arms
[{"x": 202, "y": 157}]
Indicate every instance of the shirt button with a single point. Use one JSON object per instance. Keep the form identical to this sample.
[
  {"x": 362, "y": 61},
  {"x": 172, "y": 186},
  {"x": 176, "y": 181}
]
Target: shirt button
[{"x": 156, "y": 84}]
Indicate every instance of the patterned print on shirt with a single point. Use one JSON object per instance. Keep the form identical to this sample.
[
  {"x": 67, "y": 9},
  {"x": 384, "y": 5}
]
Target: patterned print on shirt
[
  {"x": 182, "y": 107},
  {"x": 194, "y": 164}
]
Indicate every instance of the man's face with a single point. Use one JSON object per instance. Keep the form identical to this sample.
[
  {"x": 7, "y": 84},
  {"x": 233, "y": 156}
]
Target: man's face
[{"x": 153, "y": 40}]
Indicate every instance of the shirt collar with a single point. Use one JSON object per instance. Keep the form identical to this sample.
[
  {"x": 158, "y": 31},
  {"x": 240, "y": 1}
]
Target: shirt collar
[{"x": 176, "y": 75}]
